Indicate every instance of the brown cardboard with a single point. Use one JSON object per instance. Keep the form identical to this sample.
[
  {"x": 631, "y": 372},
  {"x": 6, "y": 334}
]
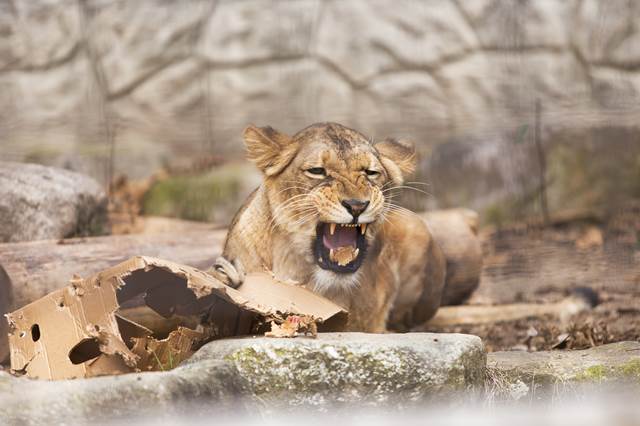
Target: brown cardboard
[
  {"x": 82, "y": 330},
  {"x": 167, "y": 353}
]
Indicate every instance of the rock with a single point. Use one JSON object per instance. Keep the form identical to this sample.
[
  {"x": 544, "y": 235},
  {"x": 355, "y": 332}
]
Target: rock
[
  {"x": 616, "y": 44},
  {"x": 230, "y": 376},
  {"x": 202, "y": 389},
  {"x": 232, "y": 35},
  {"x": 407, "y": 35},
  {"x": 48, "y": 31},
  {"x": 456, "y": 231},
  {"x": 615, "y": 89},
  {"x": 509, "y": 25},
  {"x": 38, "y": 202},
  {"x": 237, "y": 96},
  {"x": 515, "y": 374},
  {"x": 135, "y": 41},
  {"x": 398, "y": 370}
]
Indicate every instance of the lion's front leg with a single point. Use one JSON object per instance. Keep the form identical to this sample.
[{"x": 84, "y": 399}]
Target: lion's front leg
[
  {"x": 371, "y": 304},
  {"x": 230, "y": 272}
]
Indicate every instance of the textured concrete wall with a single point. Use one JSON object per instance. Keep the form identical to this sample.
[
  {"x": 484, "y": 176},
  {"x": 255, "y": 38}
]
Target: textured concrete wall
[{"x": 147, "y": 82}]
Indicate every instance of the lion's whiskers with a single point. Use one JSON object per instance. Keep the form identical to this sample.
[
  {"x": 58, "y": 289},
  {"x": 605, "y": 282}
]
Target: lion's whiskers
[
  {"x": 292, "y": 187},
  {"x": 303, "y": 220},
  {"x": 288, "y": 203},
  {"x": 302, "y": 203},
  {"x": 407, "y": 187},
  {"x": 390, "y": 207},
  {"x": 302, "y": 208}
]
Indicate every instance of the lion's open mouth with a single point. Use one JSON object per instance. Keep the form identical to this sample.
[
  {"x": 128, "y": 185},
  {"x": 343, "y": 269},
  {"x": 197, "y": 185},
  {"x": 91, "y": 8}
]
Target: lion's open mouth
[{"x": 340, "y": 247}]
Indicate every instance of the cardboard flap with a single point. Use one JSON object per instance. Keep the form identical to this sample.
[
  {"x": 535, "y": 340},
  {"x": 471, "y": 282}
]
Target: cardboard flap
[
  {"x": 268, "y": 295},
  {"x": 260, "y": 292}
]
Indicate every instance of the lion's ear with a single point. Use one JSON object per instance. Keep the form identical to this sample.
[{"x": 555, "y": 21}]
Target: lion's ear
[
  {"x": 397, "y": 157},
  {"x": 269, "y": 149}
]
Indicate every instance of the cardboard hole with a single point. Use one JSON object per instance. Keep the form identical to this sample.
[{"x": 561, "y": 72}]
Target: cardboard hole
[
  {"x": 161, "y": 290},
  {"x": 35, "y": 332},
  {"x": 84, "y": 351}
]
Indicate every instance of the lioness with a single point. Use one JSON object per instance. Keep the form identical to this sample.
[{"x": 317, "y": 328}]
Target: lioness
[{"x": 322, "y": 217}]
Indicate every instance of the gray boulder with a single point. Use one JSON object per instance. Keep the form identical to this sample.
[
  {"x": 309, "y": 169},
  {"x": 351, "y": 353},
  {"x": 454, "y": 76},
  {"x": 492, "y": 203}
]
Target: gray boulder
[
  {"x": 519, "y": 375},
  {"x": 396, "y": 370},
  {"x": 197, "y": 390},
  {"x": 38, "y": 202},
  {"x": 253, "y": 375}
]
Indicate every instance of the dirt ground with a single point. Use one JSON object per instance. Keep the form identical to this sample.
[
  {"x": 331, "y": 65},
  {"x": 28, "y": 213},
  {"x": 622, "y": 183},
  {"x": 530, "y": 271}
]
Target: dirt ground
[{"x": 541, "y": 264}]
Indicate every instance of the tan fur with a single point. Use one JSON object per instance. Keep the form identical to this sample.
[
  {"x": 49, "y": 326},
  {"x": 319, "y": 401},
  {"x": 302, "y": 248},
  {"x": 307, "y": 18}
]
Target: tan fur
[{"x": 400, "y": 282}]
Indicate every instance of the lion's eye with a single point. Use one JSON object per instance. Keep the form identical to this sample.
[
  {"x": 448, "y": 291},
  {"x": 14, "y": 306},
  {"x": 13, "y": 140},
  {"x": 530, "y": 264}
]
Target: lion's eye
[
  {"x": 372, "y": 173},
  {"x": 317, "y": 171}
]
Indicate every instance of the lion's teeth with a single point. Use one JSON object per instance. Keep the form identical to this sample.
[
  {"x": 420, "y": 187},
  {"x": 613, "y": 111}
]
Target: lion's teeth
[
  {"x": 355, "y": 253},
  {"x": 332, "y": 255},
  {"x": 332, "y": 228},
  {"x": 363, "y": 228}
]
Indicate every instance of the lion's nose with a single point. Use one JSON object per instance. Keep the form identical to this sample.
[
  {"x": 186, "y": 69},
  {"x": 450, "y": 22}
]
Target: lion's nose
[{"x": 355, "y": 207}]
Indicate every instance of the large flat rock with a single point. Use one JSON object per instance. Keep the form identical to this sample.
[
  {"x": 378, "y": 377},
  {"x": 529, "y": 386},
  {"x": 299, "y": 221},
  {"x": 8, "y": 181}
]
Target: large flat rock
[
  {"x": 355, "y": 368},
  {"x": 516, "y": 375},
  {"x": 203, "y": 389},
  {"x": 259, "y": 375}
]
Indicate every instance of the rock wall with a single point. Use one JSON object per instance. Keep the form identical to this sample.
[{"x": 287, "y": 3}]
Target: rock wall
[{"x": 130, "y": 86}]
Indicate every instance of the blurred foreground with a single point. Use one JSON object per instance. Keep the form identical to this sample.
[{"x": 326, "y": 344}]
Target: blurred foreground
[{"x": 593, "y": 410}]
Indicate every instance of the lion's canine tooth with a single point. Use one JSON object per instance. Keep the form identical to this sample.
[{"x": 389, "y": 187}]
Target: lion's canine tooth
[
  {"x": 332, "y": 228},
  {"x": 363, "y": 228},
  {"x": 355, "y": 253},
  {"x": 332, "y": 255}
]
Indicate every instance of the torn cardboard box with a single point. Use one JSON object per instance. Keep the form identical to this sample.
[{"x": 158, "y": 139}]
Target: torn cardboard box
[{"x": 149, "y": 314}]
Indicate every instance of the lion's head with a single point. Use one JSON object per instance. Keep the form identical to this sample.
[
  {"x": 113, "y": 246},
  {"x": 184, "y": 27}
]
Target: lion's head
[{"x": 326, "y": 188}]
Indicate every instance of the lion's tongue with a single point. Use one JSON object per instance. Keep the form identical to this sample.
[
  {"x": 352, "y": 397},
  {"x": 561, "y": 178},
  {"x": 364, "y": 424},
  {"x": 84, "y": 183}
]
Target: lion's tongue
[{"x": 342, "y": 237}]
